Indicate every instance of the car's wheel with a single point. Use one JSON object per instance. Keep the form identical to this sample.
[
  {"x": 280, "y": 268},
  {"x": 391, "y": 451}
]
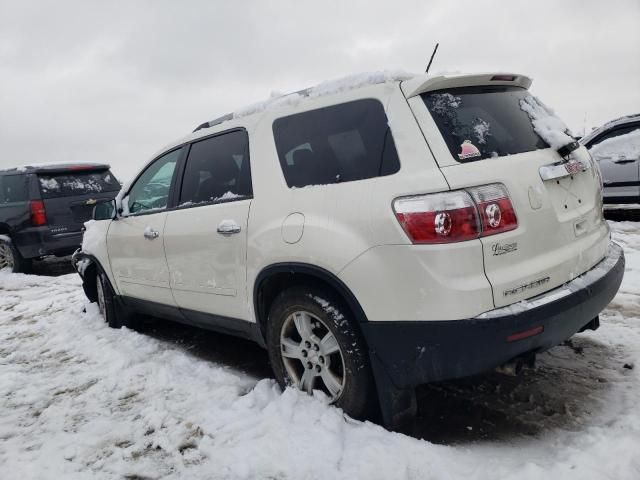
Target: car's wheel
[
  {"x": 314, "y": 344},
  {"x": 10, "y": 257},
  {"x": 106, "y": 302}
]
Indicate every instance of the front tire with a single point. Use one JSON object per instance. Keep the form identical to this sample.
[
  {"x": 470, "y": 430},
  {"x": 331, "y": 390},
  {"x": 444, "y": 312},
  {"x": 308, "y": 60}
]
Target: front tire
[
  {"x": 107, "y": 302},
  {"x": 10, "y": 258},
  {"x": 314, "y": 344}
]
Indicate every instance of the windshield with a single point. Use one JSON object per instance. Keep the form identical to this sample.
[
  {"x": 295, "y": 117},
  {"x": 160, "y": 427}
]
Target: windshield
[
  {"x": 483, "y": 122},
  {"x": 86, "y": 183}
]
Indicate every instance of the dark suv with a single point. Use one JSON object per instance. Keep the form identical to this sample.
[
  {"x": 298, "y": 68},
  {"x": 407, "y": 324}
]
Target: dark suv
[{"x": 43, "y": 209}]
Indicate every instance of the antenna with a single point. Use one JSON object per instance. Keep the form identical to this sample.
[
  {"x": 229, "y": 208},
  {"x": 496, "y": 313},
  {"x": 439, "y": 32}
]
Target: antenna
[{"x": 431, "y": 59}]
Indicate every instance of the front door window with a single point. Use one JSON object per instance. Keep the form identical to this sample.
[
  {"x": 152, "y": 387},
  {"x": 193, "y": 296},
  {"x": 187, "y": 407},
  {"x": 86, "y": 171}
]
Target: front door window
[{"x": 150, "y": 192}]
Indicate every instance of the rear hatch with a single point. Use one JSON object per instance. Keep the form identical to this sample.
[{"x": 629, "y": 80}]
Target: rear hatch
[
  {"x": 501, "y": 134},
  {"x": 69, "y": 196}
]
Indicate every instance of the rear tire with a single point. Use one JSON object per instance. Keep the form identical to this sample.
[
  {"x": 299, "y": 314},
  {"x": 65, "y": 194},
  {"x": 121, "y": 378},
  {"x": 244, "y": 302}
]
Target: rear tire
[
  {"x": 314, "y": 343},
  {"x": 107, "y": 302},
  {"x": 10, "y": 258}
]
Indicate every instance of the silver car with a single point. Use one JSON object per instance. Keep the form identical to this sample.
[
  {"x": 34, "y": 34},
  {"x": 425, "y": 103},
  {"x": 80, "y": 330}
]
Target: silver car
[{"x": 616, "y": 148}]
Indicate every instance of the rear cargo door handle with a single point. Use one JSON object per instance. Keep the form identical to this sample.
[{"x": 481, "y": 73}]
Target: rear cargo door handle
[
  {"x": 227, "y": 227},
  {"x": 150, "y": 233},
  {"x": 620, "y": 162}
]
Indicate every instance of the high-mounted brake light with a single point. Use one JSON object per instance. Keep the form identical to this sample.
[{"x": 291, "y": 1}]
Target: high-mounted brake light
[
  {"x": 456, "y": 216},
  {"x": 503, "y": 78},
  {"x": 81, "y": 167},
  {"x": 38, "y": 215}
]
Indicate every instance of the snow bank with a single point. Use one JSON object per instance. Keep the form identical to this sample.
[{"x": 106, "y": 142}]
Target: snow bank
[
  {"x": 545, "y": 122},
  {"x": 622, "y": 147},
  {"x": 79, "y": 400}
]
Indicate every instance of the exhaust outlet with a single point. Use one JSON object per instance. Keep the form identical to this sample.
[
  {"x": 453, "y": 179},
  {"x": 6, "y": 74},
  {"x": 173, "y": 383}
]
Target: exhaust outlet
[{"x": 515, "y": 366}]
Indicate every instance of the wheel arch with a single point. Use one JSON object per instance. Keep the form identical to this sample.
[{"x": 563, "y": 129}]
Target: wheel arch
[
  {"x": 89, "y": 274},
  {"x": 277, "y": 277},
  {"x": 5, "y": 229}
]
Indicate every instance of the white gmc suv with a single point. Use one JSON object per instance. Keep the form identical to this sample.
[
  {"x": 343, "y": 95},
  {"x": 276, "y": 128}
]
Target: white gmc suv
[{"x": 373, "y": 234}]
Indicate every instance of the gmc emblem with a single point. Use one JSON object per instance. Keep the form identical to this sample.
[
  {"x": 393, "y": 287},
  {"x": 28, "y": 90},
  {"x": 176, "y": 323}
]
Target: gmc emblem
[{"x": 574, "y": 166}]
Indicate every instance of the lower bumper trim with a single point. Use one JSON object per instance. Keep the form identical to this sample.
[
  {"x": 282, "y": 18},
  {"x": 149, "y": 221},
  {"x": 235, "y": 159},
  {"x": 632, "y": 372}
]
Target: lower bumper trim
[{"x": 416, "y": 352}]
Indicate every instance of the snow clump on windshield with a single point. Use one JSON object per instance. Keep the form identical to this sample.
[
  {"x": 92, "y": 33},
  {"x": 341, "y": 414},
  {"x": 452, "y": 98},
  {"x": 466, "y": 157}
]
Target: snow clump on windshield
[{"x": 545, "y": 123}]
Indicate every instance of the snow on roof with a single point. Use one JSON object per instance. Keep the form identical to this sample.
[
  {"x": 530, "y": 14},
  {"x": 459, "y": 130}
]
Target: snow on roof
[
  {"x": 624, "y": 118},
  {"x": 327, "y": 87},
  {"x": 52, "y": 166}
]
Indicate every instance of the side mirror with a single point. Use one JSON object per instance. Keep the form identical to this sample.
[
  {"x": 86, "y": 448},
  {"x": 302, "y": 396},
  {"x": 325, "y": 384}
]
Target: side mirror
[{"x": 105, "y": 210}]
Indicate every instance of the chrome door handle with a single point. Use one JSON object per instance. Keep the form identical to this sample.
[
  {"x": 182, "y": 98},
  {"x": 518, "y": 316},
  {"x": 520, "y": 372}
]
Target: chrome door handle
[
  {"x": 150, "y": 234},
  {"x": 227, "y": 227}
]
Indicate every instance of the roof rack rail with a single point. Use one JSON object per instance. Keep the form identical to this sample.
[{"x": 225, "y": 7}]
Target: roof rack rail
[
  {"x": 229, "y": 116},
  {"x": 217, "y": 121}
]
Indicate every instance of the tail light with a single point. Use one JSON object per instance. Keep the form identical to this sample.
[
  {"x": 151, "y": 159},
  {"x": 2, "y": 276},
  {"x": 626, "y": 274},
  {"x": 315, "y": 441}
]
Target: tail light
[
  {"x": 495, "y": 209},
  {"x": 456, "y": 216},
  {"x": 38, "y": 215}
]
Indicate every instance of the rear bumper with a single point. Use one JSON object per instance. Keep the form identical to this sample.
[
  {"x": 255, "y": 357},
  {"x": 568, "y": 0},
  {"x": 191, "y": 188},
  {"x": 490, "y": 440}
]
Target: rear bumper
[
  {"x": 39, "y": 241},
  {"x": 412, "y": 352}
]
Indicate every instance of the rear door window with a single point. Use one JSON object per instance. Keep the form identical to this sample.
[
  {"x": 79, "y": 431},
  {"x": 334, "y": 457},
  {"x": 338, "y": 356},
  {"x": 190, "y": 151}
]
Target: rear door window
[
  {"x": 342, "y": 143},
  {"x": 483, "y": 122},
  {"x": 13, "y": 188},
  {"x": 70, "y": 184},
  {"x": 217, "y": 170}
]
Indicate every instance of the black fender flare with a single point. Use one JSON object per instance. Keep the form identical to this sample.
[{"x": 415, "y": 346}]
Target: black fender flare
[
  {"x": 88, "y": 285},
  {"x": 314, "y": 271}
]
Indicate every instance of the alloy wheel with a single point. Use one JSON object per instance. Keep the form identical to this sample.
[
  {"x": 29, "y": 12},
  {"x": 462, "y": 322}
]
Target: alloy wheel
[
  {"x": 6, "y": 257},
  {"x": 311, "y": 355}
]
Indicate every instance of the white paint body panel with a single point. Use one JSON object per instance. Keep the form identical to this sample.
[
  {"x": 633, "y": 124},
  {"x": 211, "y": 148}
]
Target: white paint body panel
[
  {"x": 138, "y": 264},
  {"x": 350, "y": 230},
  {"x": 207, "y": 268}
]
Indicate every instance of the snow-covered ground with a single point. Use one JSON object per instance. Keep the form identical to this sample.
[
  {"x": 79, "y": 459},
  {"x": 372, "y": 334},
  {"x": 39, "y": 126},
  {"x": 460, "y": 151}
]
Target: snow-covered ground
[{"x": 79, "y": 400}]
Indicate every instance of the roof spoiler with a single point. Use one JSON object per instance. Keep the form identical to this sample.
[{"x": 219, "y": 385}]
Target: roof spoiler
[
  {"x": 65, "y": 168},
  {"x": 428, "y": 83}
]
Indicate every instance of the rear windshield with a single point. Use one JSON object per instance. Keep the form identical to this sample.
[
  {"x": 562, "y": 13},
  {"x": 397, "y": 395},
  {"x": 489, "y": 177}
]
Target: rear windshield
[
  {"x": 483, "y": 122},
  {"x": 85, "y": 183}
]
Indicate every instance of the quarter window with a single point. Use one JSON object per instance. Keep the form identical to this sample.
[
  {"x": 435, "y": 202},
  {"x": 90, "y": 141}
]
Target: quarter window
[
  {"x": 13, "y": 188},
  {"x": 217, "y": 170},
  {"x": 151, "y": 191},
  {"x": 342, "y": 143}
]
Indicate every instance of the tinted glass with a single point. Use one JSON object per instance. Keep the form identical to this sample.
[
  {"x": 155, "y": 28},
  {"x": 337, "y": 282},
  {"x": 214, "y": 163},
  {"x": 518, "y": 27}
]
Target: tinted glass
[
  {"x": 341, "y": 143},
  {"x": 483, "y": 122},
  {"x": 86, "y": 183},
  {"x": 151, "y": 190},
  {"x": 615, "y": 133},
  {"x": 217, "y": 170},
  {"x": 13, "y": 188}
]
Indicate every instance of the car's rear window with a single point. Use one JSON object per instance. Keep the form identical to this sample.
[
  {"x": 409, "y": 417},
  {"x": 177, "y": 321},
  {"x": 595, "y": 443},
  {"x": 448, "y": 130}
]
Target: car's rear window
[
  {"x": 341, "y": 143},
  {"x": 483, "y": 122},
  {"x": 81, "y": 183}
]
